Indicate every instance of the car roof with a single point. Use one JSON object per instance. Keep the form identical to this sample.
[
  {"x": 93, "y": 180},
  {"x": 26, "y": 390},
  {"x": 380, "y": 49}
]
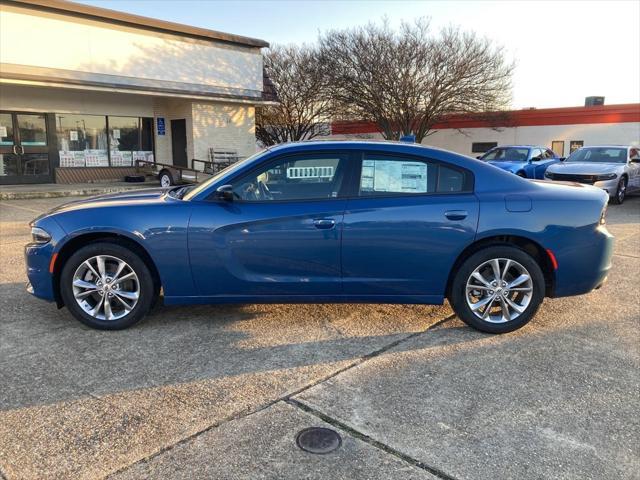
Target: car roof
[
  {"x": 390, "y": 145},
  {"x": 608, "y": 146}
]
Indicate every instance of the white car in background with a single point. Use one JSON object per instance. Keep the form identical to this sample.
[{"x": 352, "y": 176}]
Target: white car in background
[{"x": 614, "y": 168}]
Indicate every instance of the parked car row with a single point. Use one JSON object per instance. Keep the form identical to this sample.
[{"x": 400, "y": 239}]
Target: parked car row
[{"x": 613, "y": 168}]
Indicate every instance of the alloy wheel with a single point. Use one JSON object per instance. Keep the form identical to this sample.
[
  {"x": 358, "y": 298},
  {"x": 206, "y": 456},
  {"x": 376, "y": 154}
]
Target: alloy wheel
[
  {"x": 499, "y": 290},
  {"x": 106, "y": 287}
]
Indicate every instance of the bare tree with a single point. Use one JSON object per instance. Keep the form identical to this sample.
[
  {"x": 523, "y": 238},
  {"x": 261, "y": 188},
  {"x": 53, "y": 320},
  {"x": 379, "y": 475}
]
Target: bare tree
[
  {"x": 407, "y": 81},
  {"x": 304, "y": 106}
]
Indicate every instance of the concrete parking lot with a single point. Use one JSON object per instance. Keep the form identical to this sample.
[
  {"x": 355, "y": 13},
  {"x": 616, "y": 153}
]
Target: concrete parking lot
[{"x": 220, "y": 392}]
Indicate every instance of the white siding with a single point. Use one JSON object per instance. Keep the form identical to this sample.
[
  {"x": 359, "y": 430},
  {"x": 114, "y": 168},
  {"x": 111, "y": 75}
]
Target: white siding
[
  {"x": 54, "y": 41},
  {"x": 627, "y": 133},
  {"x": 41, "y": 99}
]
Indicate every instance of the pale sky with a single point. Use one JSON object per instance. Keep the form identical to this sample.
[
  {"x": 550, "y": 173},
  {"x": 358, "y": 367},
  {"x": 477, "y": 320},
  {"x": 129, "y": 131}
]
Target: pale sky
[{"x": 564, "y": 50}]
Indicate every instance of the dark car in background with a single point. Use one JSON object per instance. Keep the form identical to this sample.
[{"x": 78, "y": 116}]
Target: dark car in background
[{"x": 527, "y": 161}]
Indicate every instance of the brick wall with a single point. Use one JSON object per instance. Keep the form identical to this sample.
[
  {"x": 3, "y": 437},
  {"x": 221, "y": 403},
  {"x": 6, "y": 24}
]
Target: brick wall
[{"x": 223, "y": 126}]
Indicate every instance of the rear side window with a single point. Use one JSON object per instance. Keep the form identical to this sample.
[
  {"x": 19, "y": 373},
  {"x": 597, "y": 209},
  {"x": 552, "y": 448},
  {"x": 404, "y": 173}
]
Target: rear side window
[{"x": 383, "y": 175}]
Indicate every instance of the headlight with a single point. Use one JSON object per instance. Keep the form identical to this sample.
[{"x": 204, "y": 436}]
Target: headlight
[
  {"x": 606, "y": 176},
  {"x": 603, "y": 215},
  {"x": 39, "y": 235},
  {"x": 548, "y": 174}
]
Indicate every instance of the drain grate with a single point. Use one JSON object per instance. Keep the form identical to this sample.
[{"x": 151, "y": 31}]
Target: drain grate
[{"x": 318, "y": 440}]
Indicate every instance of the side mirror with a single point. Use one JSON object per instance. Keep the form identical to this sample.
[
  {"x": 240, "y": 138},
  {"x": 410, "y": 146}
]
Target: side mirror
[
  {"x": 479, "y": 157},
  {"x": 635, "y": 160},
  {"x": 225, "y": 192},
  {"x": 562, "y": 159}
]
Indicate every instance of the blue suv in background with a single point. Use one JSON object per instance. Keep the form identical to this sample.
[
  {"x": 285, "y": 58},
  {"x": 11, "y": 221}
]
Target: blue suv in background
[{"x": 527, "y": 161}]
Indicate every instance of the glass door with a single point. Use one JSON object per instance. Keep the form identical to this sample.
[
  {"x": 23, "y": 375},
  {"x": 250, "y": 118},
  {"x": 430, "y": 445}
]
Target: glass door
[{"x": 24, "y": 148}]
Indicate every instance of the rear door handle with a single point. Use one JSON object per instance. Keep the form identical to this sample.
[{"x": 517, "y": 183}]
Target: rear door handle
[
  {"x": 324, "y": 223},
  {"x": 456, "y": 214}
]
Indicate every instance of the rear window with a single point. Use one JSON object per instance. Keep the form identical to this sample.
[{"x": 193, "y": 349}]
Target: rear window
[{"x": 383, "y": 175}]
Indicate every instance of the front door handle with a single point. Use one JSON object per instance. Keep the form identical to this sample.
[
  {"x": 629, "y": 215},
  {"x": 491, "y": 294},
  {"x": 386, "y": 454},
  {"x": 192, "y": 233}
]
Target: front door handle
[
  {"x": 324, "y": 223},
  {"x": 456, "y": 214}
]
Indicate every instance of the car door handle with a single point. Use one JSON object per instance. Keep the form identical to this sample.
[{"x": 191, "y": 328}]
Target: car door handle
[
  {"x": 456, "y": 214},
  {"x": 324, "y": 223}
]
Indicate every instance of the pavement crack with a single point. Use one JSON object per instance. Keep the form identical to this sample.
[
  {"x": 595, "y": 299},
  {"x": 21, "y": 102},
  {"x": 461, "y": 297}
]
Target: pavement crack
[
  {"x": 369, "y": 440},
  {"x": 625, "y": 255},
  {"x": 286, "y": 398}
]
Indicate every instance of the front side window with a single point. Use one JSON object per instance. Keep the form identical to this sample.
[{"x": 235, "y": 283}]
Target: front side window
[
  {"x": 299, "y": 177},
  {"x": 537, "y": 154},
  {"x": 386, "y": 175}
]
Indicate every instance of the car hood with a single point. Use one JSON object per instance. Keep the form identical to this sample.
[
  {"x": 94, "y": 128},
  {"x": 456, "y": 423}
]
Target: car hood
[
  {"x": 130, "y": 197},
  {"x": 508, "y": 166},
  {"x": 585, "y": 168}
]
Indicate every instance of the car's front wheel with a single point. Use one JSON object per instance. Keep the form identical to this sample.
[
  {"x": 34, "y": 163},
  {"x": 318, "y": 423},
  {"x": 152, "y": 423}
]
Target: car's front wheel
[
  {"x": 497, "y": 289},
  {"x": 107, "y": 286},
  {"x": 621, "y": 191}
]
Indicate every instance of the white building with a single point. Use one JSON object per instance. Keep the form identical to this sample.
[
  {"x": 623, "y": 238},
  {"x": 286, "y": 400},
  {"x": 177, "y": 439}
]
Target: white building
[
  {"x": 561, "y": 129},
  {"x": 86, "y": 91}
]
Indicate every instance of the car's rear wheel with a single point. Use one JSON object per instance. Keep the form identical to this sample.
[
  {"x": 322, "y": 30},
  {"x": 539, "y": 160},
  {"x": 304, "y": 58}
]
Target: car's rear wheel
[
  {"x": 621, "y": 191},
  {"x": 166, "y": 179},
  {"x": 497, "y": 289},
  {"x": 107, "y": 286}
]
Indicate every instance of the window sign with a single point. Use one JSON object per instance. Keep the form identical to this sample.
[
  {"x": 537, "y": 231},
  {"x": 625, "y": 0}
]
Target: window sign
[
  {"x": 3, "y": 131},
  {"x": 161, "y": 126},
  {"x": 394, "y": 176},
  {"x": 73, "y": 135},
  {"x": 116, "y": 133}
]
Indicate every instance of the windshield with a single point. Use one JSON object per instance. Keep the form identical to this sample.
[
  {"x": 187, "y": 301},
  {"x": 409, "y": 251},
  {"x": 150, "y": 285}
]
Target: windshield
[
  {"x": 599, "y": 155},
  {"x": 195, "y": 190},
  {"x": 507, "y": 154}
]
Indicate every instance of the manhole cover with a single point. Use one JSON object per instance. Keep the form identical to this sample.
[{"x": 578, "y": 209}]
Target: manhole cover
[{"x": 318, "y": 440}]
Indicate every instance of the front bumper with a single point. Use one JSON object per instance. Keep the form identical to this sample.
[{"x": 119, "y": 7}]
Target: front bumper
[
  {"x": 37, "y": 258},
  {"x": 609, "y": 186}
]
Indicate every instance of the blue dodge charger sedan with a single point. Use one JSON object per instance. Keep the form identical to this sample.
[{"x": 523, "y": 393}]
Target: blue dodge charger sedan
[
  {"x": 528, "y": 161},
  {"x": 328, "y": 222}
]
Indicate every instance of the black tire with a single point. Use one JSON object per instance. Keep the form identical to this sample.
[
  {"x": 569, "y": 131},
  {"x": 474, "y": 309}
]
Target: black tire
[
  {"x": 458, "y": 292},
  {"x": 166, "y": 179},
  {"x": 135, "y": 263},
  {"x": 621, "y": 192}
]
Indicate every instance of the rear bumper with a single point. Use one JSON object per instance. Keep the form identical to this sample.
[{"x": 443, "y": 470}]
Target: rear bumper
[{"x": 584, "y": 267}]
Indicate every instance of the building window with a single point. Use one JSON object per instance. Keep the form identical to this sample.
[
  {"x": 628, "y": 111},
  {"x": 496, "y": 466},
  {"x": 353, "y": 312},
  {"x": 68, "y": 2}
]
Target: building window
[
  {"x": 100, "y": 141},
  {"x": 82, "y": 140},
  {"x": 482, "y": 147},
  {"x": 575, "y": 145}
]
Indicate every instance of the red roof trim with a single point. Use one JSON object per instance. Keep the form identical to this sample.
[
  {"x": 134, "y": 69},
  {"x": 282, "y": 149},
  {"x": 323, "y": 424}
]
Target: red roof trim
[{"x": 623, "y": 113}]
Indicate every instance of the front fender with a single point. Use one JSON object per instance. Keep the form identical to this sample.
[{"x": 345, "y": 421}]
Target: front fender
[{"x": 160, "y": 230}]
